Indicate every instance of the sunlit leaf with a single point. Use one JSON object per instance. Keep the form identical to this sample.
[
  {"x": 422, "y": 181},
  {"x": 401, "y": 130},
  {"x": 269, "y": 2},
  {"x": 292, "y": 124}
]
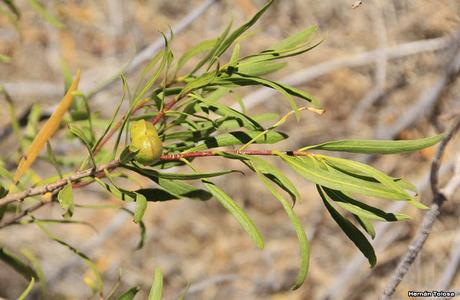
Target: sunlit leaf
[
  {"x": 237, "y": 212},
  {"x": 362, "y": 209},
  {"x": 331, "y": 178},
  {"x": 377, "y": 146},
  {"x": 65, "y": 199},
  {"x": 27, "y": 291},
  {"x": 157, "y": 285},
  {"x": 238, "y": 138},
  {"x": 301, "y": 235}
]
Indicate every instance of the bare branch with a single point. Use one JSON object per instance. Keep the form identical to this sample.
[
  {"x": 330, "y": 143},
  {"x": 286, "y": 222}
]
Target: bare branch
[{"x": 427, "y": 223}]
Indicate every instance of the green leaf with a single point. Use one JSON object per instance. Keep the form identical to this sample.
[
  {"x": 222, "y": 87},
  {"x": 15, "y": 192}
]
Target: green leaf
[
  {"x": 82, "y": 137},
  {"x": 4, "y": 58},
  {"x": 297, "y": 224},
  {"x": 27, "y": 291},
  {"x": 157, "y": 285},
  {"x": 225, "y": 44},
  {"x": 12, "y": 7},
  {"x": 362, "y": 209},
  {"x": 141, "y": 224},
  {"x": 129, "y": 294},
  {"x": 376, "y": 146},
  {"x": 366, "y": 171},
  {"x": 98, "y": 284},
  {"x": 246, "y": 79},
  {"x": 235, "y": 55},
  {"x": 141, "y": 206},
  {"x": 35, "y": 261},
  {"x": 211, "y": 54},
  {"x": 151, "y": 173},
  {"x": 261, "y": 68},
  {"x": 127, "y": 155},
  {"x": 65, "y": 199},
  {"x": 17, "y": 264},
  {"x": 238, "y": 138},
  {"x": 41, "y": 10},
  {"x": 366, "y": 225},
  {"x": 237, "y": 212},
  {"x": 353, "y": 233},
  {"x": 294, "y": 40},
  {"x": 274, "y": 174},
  {"x": 129, "y": 196},
  {"x": 226, "y": 111},
  {"x": 200, "y": 48},
  {"x": 175, "y": 190},
  {"x": 308, "y": 168},
  {"x": 117, "y": 192}
]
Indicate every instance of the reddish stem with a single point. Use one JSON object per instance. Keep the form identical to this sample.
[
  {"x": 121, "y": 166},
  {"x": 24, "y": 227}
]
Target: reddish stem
[{"x": 162, "y": 113}]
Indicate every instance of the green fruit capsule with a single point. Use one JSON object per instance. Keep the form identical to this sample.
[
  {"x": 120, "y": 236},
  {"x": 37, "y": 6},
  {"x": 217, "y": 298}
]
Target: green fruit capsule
[{"x": 144, "y": 138}]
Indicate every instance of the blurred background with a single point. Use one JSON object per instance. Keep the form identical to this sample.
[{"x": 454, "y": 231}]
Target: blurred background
[{"x": 386, "y": 69}]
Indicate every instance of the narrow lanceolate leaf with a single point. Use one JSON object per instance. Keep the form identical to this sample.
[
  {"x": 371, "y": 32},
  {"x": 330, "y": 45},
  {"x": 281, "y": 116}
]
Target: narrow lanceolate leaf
[
  {"x": 129, "y": 196},
  {"x": 362, "y": 209},
  {"x": 377, "y": 146},
  {"x": 237, "y": 212},
  {"x": 238, "y": 138},
  {"x": 294, "y": 40},
  {"x": 17, "y": 264},
  {"x": 65, "y": 198},
  {"x": 353, "y": 233},
  {"x": 275, "y": 175},
  {"x": 366, "y": 170},
  {"x": 261, "y": 68},
  {"x": 176, "y": 176},
  {"x": 129, "y": 294},
  {"x": 180, "y": 189},
  {"x": 97, "y": 285},
  {"x": 238, "y": 32},
  {"x": 47, "y": 131},
  {"x": 141, "y": 206},
  {"x": 157, "y": 285},
  {"x": 366, "y": 224},
  {"x": 41, "y": 10},
  {"x": 198, "y": 49},
  {"x": 311, "y": 170},
  {"x": 27, "y": 291},
  {"x": 301, "y": 235},
  {"x": 228, "y": 112}
]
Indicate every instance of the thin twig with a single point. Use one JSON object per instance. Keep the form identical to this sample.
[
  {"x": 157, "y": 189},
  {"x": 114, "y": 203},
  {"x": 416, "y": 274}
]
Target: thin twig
[
  {"x": 428, "y": 221},
  {"x": 22, "y": 214},
  {"x": 57, "y": 185},
  {"x": 99, "y": 171}
]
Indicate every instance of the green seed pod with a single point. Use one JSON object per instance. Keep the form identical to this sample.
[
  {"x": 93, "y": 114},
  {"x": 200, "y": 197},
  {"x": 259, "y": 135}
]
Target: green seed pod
[{"x": 144, "y": 137}]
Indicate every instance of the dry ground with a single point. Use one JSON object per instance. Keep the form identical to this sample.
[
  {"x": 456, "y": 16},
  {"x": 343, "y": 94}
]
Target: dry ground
[{"x": 199, "y": 243}]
